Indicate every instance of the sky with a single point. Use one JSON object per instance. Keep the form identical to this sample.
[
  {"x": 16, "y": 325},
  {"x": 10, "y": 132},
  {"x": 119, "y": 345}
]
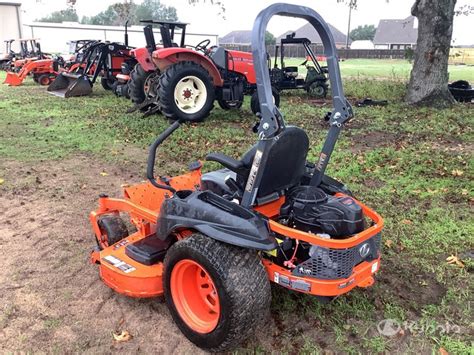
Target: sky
[{"x": 240, "y": 14}]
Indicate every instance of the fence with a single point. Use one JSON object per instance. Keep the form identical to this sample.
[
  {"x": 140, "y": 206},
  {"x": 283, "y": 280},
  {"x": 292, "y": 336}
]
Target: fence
[
  {"x": 54, "y": 36},
  {"x": 298, "y": 51}
]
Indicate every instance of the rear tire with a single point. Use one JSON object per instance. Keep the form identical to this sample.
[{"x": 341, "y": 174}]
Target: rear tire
[
  {"x": 255, "y": 104},
  {"x": 139, "y": 85},
  {"x": 113, "y": 229},
  {"x": 183, "y": 79},
  {"x": 224, "y": 310}
]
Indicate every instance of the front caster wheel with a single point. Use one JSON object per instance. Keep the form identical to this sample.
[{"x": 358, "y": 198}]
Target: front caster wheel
[{"x": 217, "y": 293}]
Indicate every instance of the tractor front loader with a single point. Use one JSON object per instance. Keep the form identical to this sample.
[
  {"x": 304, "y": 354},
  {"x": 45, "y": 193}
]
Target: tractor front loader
[
  {"x": 43, "y": 72},
  {"x": 99, "y": 59}
]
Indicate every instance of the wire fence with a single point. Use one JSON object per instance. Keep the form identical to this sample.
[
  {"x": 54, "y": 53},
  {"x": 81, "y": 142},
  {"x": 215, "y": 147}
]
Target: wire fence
[{"x": 296, "y": 51}]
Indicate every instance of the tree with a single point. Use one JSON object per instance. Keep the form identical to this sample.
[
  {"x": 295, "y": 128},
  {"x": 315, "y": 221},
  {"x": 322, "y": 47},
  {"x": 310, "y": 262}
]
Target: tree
[
  {"x": 429, "y": 77},
  {"x": 366, "y": 32},
  {"x": 269, "y": 38},
  {"x": 68, "y": 14},
  {"x": 153, "y": 9},
  {"x": 118, "y": 13}
]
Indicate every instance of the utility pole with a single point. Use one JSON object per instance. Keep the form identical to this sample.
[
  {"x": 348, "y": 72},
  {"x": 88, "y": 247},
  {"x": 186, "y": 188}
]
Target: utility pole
[{"x": 352, "y": 4}]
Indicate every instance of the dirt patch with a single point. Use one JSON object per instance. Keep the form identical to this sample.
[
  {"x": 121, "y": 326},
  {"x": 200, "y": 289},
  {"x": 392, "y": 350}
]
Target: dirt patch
[
  {"x": 371, "y": 140},
  {"x": 52, "y": 298},
  {"x": 411, "y": 287}
]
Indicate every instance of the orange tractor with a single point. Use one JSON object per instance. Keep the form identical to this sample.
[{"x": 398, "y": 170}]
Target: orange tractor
[
  {"x": 212, "y": 243},
  {"x": 44, "y": 71}
]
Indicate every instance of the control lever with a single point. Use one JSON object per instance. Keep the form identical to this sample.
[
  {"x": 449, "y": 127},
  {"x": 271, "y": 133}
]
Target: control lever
[{"x": 234, "y": 187}]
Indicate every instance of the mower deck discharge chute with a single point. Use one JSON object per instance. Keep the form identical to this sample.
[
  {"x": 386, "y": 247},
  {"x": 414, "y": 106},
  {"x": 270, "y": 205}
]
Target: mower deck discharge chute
[{"x": 212, "y": 243}]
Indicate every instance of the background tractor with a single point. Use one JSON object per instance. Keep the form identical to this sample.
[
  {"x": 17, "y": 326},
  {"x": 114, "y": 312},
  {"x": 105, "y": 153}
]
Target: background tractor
[
  {"x": 183, "y": 81},
  {"x": 287, "y": 77}
]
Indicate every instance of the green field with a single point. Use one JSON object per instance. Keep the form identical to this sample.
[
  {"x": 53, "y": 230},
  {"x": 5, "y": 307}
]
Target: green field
[
  {"x": 412, "y": 165},
  {"x": 394, "y": 69}
]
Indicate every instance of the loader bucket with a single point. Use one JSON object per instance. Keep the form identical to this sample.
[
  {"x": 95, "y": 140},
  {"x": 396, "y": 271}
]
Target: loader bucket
[
  {"x": 69, "y": 85},
  {"x": 13, "y": 79}
]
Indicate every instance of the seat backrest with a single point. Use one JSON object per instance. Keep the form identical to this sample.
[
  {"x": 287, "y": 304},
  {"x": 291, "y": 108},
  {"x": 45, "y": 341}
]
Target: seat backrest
[{"x": 286, "y": 161}]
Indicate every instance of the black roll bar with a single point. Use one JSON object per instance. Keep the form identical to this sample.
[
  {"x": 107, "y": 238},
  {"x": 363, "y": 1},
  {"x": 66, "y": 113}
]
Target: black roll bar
[{"x": 272, "y": 121}]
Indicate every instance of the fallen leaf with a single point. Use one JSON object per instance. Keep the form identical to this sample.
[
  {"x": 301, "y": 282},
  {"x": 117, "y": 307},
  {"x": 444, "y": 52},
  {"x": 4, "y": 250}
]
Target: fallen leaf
[
  {"x": 442, "y": 351},
  {"x": 454, "y": 260},
  {"x": 457, "y": 172},
  {"x": 123, "y": 336},
  {"x": 406, "y": 221},
  {"x": 388, "y": 243},
  {"x": 103, "y": 173},
  {"x": 464, "y": 192},
  {"x": 2, "y": 181}
]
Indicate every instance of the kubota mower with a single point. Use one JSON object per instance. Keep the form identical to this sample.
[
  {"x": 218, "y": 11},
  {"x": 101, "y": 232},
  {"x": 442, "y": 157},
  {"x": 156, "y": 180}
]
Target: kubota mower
[
  {"x": 212, "y": 243},
  {"x": 99, "y": 59}
]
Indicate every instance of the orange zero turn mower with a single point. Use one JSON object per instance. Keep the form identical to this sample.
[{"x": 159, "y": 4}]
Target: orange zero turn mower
[{"x": 212, "y": 243}]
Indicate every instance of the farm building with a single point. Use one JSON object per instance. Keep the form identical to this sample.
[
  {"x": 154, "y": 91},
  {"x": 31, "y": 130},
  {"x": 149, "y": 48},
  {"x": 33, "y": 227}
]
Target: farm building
[
  {"x": 307, "y": 31},
  {"x": 396, "y": 34},
  {"x": 10, "y": 23}
]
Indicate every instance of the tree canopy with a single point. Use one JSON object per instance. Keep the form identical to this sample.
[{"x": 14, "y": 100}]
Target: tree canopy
[
  {"x": 366, "y": 32},
  {"x": 269, "y": 38},
  {"x": 68, "y": 14},
  {"x": 118, "y": 13}
]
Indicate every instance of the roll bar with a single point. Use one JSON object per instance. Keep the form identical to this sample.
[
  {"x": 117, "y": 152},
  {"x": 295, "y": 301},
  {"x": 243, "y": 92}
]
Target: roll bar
[{"x": 272, "y": 121}]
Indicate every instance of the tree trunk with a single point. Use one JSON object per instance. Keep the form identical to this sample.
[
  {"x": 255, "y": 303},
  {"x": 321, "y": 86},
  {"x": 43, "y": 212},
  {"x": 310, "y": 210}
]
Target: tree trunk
[{"x": 429, "y": 76}]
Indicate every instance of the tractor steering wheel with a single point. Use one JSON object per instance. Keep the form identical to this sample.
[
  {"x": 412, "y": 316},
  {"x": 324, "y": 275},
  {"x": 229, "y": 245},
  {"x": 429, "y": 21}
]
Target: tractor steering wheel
[{"x": 202, "y": 46}]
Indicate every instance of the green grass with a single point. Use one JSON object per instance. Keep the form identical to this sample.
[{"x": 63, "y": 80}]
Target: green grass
[
  {"x": 394, "y": 69},
  {"x": 413, "y": 165}
]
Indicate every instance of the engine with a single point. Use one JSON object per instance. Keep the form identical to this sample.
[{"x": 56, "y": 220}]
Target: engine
[{"x": 310, "y": 209}]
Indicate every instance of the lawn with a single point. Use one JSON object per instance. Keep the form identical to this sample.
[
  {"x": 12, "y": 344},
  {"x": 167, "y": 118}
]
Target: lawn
[
  {"x": 412, "y": 165},
  {"x": 393, "y": 69}
]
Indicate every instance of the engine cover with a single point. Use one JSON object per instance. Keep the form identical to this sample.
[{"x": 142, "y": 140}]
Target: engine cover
[{"x": 310, "y": 209}]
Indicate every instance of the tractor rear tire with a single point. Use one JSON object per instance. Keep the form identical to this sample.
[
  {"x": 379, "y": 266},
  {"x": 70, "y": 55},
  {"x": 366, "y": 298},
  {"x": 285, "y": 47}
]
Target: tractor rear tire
[
  {"x": 113, "y": 229},
  {"x": 138, "y": 84},
  {"x": 255, "y": 104},
  {"x": 107, "y": 84},
  {"x": 218, "y": 294},
  {"x": 186, "y": 92}
]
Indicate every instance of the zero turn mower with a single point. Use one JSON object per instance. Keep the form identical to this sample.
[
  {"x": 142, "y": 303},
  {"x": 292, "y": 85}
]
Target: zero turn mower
[{"x": 212, "y": 243}]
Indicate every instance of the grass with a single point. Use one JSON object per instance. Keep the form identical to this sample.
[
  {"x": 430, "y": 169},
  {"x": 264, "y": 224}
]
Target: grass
[
  {"x": 413, "y": 165},
  {"x": 393, "y": 69}
]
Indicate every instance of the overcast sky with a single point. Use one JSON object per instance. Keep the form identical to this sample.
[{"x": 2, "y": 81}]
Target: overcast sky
[{"x": 240, "y": 14}]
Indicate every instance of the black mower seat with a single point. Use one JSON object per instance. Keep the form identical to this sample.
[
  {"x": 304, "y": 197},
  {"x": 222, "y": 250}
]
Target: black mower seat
[{"x": 285, "y": 165}]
